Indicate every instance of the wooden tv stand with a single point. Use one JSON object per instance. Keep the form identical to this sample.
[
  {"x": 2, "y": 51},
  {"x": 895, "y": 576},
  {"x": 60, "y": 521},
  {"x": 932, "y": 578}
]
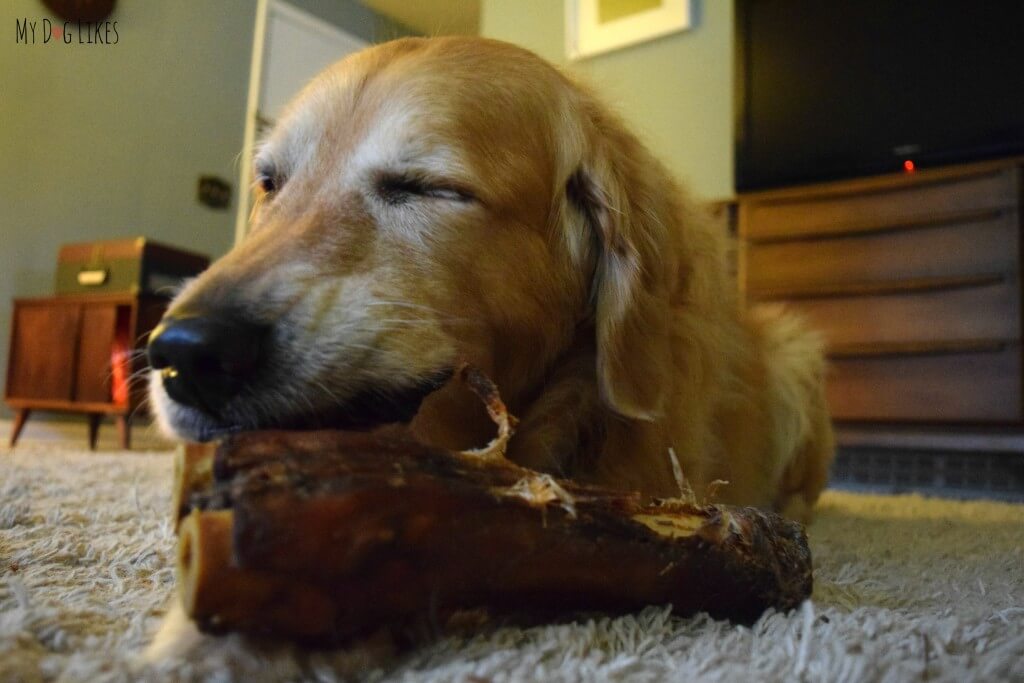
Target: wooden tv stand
[
  {"x": 914, "y": 279},
  {"x": 61, "y": 356}
]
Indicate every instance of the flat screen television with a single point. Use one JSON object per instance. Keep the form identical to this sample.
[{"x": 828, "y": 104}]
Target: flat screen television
[{"x": 830, "y": 89}]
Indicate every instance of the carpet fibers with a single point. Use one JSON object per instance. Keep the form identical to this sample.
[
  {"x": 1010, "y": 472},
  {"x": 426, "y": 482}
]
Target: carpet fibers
[{"x": 906, "y": 588}]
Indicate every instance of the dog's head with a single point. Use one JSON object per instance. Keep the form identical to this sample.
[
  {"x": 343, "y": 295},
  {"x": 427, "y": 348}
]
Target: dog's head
[{"x": 420, "y": 203}]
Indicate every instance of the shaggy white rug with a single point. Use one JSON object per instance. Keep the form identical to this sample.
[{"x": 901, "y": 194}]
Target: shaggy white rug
[{"x": 906, "y": 589}]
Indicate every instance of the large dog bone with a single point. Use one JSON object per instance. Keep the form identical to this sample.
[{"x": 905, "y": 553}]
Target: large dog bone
[{"x": 320, "y": 536}]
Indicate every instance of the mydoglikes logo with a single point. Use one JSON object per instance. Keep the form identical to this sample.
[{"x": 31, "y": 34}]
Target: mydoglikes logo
[{"x": 45, "y": 31}]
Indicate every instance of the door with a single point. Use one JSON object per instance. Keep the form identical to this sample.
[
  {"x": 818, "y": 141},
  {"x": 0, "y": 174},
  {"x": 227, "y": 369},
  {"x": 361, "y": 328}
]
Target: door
[
  {"x": 298, "y": 47},
  {"x": 95, "y": 353},
  {"x": 44, "y": 337}
]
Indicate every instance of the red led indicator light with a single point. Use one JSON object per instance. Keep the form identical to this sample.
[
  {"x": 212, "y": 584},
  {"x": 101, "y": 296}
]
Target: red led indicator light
[{"x": 908, "y": 166}]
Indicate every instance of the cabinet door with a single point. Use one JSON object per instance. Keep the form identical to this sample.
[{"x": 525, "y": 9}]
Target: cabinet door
[
  {"x": 43, "y": 341},
  {"x": 92, "y": 383}
]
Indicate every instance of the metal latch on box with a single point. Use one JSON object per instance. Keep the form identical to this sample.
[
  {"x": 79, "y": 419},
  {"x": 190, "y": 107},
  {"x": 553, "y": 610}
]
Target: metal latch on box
[{"x": 92, "y": 278}]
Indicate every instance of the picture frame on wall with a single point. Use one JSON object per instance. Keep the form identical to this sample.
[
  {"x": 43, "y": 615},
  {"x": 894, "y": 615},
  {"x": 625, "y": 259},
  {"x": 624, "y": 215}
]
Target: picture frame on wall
[{"x": 596, "y": 26}]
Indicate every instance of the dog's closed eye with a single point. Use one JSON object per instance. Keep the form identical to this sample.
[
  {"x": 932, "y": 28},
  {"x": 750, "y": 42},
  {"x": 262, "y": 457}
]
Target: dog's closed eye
[{"x": 399, "y": 188}]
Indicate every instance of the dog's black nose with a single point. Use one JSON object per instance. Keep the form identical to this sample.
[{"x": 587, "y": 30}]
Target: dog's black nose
[{"x": 205, "y": 360}]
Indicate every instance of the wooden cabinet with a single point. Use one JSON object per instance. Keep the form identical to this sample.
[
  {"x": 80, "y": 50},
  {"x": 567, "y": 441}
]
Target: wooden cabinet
[
  {"x": 77, "y": 353},
  {"x": 914, "y": 281}
]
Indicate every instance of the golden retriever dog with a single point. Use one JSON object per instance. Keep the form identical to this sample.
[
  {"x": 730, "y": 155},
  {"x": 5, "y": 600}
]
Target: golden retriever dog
[{"x": 427, "y": 201}]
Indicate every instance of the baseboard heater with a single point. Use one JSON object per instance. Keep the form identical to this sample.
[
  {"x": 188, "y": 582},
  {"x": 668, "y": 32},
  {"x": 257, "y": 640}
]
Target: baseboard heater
[{"x": 951, "y": 474}]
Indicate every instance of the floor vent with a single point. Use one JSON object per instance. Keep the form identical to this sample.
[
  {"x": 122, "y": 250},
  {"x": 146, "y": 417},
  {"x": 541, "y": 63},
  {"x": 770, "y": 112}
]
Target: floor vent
[{"x": 939, "y": 473}]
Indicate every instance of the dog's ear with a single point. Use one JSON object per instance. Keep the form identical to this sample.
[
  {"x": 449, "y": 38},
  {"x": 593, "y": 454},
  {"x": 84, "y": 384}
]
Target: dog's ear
[{"x": 617, "y": 194}]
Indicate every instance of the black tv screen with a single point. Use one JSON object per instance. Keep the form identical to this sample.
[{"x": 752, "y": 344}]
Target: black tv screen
[{"x": 830, "y": 89}]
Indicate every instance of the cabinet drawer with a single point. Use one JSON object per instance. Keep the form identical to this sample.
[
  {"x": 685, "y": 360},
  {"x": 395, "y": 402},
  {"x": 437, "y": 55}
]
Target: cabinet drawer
[
  {"x": 904, "y": 202},
  {"x": 965, "y": 387},
  {"x": 974, "y": 312},
  {"x": 973, "y": 247}
]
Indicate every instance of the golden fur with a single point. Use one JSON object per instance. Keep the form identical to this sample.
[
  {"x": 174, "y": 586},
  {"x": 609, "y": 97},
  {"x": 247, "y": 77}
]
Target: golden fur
[{"x": 538, "y": 239}]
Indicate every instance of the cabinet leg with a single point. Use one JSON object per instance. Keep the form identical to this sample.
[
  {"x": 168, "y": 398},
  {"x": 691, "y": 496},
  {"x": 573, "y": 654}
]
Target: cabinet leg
[
  {"x": 94, "y": 429},
  {"x": 124, "y": 431},
  {"x": 19, "y": 423}
]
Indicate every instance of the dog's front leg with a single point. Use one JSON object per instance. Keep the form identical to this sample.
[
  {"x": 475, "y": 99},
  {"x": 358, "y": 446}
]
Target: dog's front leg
[{"x": 561, "y": 431}]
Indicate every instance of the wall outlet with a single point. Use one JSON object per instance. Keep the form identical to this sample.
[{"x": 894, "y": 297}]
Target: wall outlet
[{"x": 214, "y": 192}]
